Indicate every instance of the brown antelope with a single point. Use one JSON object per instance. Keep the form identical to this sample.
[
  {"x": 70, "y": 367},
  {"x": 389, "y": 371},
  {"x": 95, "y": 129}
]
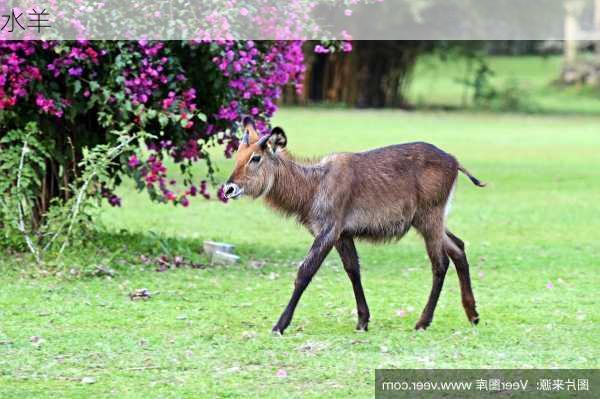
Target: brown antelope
[{"x": 375, "y": 195}]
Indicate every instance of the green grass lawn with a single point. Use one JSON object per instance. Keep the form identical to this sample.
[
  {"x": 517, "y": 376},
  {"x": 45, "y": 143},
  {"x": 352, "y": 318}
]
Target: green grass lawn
[
  {"x": 532, "y": 238},
  {"x": 438, "y": 83}
]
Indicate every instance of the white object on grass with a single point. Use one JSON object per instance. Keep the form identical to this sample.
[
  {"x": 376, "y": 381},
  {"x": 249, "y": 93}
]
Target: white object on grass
[{"x": 224, "y": 258}]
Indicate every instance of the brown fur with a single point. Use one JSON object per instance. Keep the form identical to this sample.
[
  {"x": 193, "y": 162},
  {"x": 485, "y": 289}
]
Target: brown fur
[{"x": 376, "y": 195}]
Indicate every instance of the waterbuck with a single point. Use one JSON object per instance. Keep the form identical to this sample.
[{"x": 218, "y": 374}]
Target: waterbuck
[{"x": 375, "y": 195}]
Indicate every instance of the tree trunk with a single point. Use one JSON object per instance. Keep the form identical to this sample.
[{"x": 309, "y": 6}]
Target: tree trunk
[
  {"x": 572, "y": 11},
  {"x": 372, "y": 75},
  {"x": 597, "y": 26}
]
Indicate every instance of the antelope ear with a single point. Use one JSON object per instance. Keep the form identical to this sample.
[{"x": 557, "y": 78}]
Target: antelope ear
[
  {"x": 277, "y": 139},
  {"x": 249, "y": 127}
]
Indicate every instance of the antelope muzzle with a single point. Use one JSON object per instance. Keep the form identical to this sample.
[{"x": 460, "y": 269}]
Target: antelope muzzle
[{"x": 232, "y": 191}]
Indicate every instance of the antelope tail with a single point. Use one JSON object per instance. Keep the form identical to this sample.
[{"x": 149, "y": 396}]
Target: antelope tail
[{"x": 475, "y": 180}]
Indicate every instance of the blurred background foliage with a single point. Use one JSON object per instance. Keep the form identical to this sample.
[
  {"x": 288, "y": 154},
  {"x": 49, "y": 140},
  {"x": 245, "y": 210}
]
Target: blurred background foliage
[{"x": 517, "y": 76}]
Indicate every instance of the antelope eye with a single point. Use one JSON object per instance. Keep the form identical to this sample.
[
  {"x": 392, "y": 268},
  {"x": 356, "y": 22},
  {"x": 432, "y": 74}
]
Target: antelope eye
[{"x": 255, "y": 159}]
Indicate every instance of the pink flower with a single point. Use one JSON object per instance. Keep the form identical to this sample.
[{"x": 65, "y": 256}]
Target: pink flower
[
  {"x": 401, "y": 313},
  {"x": 549, "y": 285},
  {"x": 170, "y": 196},
  {"x": 244, "y": 11},
  {"x": 348, "y": 12},
  {"x": 189, "y": 95},
  {"x": 167, "y": 102},
  {"x": 281, "y": 373}
]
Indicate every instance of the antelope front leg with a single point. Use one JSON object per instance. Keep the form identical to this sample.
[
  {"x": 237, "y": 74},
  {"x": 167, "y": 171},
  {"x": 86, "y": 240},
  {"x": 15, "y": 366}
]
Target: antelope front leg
[{"x": 321, "y": 246}]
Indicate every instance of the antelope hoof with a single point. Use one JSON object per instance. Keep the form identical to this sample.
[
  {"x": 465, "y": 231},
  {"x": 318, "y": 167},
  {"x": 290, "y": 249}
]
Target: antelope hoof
[
  {"x": 472, "y": 316},
  {"x": 277, "y": 331},
  {"x": 422, "y": 325},
  {"x": 362, "y": 325}
]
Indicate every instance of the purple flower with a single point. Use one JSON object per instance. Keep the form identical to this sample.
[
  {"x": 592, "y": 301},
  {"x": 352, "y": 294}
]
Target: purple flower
[
  {"x": 221, "y": 195},
  {"x": 76, "y": 71},
  {"x": 114, "y": 200}
]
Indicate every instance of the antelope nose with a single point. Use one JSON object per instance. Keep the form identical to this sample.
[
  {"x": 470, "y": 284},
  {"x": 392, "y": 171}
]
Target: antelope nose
[{"x": 231, "y": 190}]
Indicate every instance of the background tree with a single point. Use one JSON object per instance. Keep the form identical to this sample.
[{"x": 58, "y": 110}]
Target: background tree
[{"x": 372, "y": 75}]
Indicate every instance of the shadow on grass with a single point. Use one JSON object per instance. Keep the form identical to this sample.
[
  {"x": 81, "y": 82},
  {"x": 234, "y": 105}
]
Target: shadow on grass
[{"x": 107, "y": 253}]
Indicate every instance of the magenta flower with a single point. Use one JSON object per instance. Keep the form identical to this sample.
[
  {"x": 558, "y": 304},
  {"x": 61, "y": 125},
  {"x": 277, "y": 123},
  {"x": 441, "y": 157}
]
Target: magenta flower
[
  {"x": 320, "y": 49},
  {"x": 134, "y": 162}
]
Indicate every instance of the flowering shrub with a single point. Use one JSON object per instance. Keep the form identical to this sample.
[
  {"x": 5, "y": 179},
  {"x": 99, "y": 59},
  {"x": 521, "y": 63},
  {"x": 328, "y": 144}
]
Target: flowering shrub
[{"x": 185, "y": 95}]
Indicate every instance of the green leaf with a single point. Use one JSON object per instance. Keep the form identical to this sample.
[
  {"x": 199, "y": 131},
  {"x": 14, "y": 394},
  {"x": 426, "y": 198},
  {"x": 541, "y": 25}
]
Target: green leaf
[{"x": 163, "y": 120}]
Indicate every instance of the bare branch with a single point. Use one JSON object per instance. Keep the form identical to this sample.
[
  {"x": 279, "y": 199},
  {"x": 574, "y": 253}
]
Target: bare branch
[{"x": 21, "y": 224}]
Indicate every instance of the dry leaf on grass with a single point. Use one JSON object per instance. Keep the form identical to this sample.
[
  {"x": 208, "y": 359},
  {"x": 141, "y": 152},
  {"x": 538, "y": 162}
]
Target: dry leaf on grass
[{"x": 140, "y": 293}]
